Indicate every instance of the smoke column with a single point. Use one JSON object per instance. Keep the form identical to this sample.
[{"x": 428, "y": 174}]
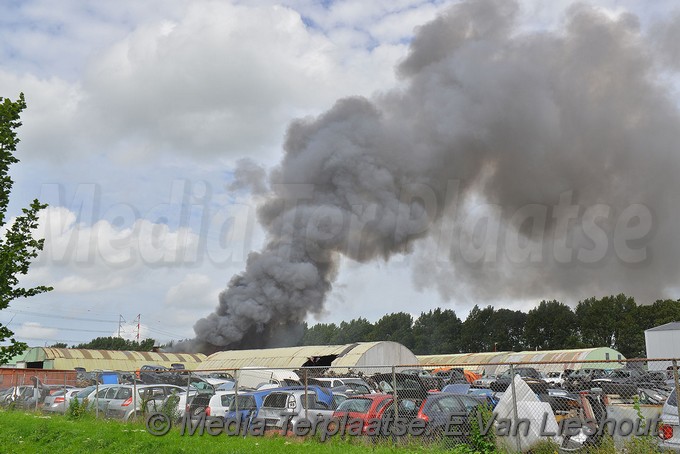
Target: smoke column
[{"x": 579, "y": 118}]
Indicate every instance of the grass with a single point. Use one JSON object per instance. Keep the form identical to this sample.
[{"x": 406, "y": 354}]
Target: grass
[{"x": 34, "y": 433}]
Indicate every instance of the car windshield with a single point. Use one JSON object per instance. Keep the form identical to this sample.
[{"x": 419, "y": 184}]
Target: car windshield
[
  {"x": 619, "y": 374},
  {"x": 85, "y": 392},
  {"x": 358, "y": 388},
  {"x": 355, "y": 405}
]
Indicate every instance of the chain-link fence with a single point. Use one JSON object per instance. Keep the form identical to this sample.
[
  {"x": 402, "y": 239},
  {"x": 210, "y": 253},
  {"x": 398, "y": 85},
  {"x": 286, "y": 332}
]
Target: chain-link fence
[{"x": 514, "y": 406}]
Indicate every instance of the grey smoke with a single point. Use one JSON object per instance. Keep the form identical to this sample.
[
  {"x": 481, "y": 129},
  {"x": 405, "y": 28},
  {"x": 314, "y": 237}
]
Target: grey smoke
[
  {"x": 491, "y": 115},
  {"x": 249, "y": 176}
]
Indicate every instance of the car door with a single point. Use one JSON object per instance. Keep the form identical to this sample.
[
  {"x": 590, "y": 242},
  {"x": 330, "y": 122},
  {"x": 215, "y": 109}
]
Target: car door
[{"x": 104, "y": 396}]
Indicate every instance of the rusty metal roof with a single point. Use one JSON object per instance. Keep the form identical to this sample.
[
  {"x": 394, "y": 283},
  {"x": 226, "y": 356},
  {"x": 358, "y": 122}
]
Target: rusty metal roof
[
  {"x": 360, "y": 354},
  {"x": 69, "y": 358}
]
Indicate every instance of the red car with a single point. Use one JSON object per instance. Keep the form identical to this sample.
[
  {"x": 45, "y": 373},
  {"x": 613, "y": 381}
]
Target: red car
[{"x": 363, "y": 407}]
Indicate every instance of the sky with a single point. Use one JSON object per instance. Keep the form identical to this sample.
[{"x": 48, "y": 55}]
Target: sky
[{"x": 138, "y": 116}]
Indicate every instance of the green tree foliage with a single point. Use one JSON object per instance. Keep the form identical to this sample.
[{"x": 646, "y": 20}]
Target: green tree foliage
[
  {"x": 477, "y": 333},
  {"x": 631, "y": 340},
  {"x": 320, "y": 334},
  {"x": 550, "y": 326},
  {"x": 395, "y": 327},
  {"x": 508, "y": 330},
  {"x": 613, "y": 321},
  {"x": 59, "y": 345},
  {"x": 118, "y": 343},
  {"x": 603, "y": 321},
  {"x": 357, "y": 330},
  {"x": 18, "y": 247},
  {"x": 437, "y": 331}
]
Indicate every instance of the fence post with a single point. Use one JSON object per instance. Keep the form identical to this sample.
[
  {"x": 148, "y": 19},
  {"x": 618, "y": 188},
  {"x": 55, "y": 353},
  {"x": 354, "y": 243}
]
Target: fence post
[
  {"x": 96, "y": 397},
  {"x": 514, "y": 405},
  {"x": 306, "y": 396},
  {"x": 675, "y": 378},
  {"x": 186, "y": 403},
  {"x": 65, "y": 400},
  {"x": 394, "y": 393},
  {"x": 37, "y": 392},
  {"x": 134, "y": 398},
  {"x": 236, "y": 413}
]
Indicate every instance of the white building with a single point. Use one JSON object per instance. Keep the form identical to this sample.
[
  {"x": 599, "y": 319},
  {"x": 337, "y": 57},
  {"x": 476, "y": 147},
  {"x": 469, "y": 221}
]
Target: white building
[{"x": 663, "y": 342}]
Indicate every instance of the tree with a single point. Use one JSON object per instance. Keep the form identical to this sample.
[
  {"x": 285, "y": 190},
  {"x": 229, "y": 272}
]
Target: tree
[
  {"x": 437, "y": 332},
  {"x": 320, "y": 334},
  {"x": 631, "y": 340},
  {"x": 357, "y": 330},
  {"x": 604, "y": 322},
  {"x": 396, "y": 327},
  {"x": 551, "y": 326},
  {"x": 118, "y": 343},
  {"x": 18, "y": 247},
  {"x": 59, "y": 345},
  {"x": 508, "y": 330},
  {"x": 477, "y": 331}
]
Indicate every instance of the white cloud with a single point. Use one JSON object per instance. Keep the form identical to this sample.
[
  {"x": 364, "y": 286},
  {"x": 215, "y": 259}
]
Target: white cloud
[
  {"x": 133, "y": 95},
  {"x": 33, "y": 330},
  {"x": 196, "y": 291}
]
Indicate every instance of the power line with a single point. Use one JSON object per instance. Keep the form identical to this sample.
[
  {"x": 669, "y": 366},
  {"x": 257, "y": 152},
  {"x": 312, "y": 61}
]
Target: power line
[
  {"x": 64, "y": 317},
  {"x": 165, "y": 333}
]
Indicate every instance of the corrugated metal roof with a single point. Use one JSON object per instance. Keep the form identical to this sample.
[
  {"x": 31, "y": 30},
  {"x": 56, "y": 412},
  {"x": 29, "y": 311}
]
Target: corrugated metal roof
[
  {"x": 69, "y": 358},
  {"x": 672, "y": 326},
  {"x": 349, "y": 355},
  {"x": 287, "y": 357},
  {"x": 567, "y": 357},
  {"x": 381, "y": 353},
  {"x": 463, "y": 359}
]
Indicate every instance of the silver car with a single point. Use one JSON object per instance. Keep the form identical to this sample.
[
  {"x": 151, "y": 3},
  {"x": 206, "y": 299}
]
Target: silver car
[
  {"x": 59, "y": 401},
  {"x": 669, "y": 430},
  {"x": 287, "y": 407},
  {"x": 120, "y": 402}
]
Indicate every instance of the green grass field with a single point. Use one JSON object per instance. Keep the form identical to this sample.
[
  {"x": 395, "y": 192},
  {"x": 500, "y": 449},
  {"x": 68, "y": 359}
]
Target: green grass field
[{"x": 34, "y": 433}]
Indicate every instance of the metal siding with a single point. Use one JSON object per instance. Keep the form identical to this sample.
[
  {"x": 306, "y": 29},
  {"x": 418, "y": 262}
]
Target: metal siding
[
  {"x": 288, "y": 357},
  {"x": 62, "y": 358},
  {"x": 564, "y": 356},
  {"x": 355, "y": 355},
  {"x": 662, "y": 344}
]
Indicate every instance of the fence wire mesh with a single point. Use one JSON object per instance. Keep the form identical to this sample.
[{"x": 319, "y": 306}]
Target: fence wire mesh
[{"x": 571, "y": 406}]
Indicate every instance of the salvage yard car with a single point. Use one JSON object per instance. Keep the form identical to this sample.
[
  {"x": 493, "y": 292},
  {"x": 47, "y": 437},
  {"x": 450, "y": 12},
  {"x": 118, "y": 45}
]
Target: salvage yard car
[
  {"x": 283, "y": 409},
  {"x": 669, "y": 430},
  {"x": 119, "y": 401},
  {"x": 59, "y": 401},
  {"x": 530, "y": 375}
]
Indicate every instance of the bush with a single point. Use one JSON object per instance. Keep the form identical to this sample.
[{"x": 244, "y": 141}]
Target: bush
[{"x": 77, "y": 409}]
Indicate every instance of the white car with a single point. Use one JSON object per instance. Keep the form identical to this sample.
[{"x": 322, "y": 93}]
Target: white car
[
  {"x": 555, "y": 378},
  {"x": 219, "y": 403},
  {"x": 669, "y": 430}
]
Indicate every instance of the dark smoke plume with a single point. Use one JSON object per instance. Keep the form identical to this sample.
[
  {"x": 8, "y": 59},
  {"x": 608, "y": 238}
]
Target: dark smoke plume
[{"x": 522, "y": 130}]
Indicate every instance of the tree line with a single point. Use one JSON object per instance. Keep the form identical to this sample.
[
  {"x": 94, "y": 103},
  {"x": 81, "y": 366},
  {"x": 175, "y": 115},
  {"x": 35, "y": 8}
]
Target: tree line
[
  {"x": 613, "y": 321},
  {"x": 113, "y": 343}
]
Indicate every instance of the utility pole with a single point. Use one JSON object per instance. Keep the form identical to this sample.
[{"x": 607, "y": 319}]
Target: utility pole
[
  {"x": 121, "y": 320},
  {"x": 138, "y": 320}
]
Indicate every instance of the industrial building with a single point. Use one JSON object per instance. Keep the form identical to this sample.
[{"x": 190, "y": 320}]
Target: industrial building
[
  {"x": 70, "y": 358},
  {"x": 340, "y": 357},
  {"x": 662, "y": 342},
  {"x": 487, "y": 363}
]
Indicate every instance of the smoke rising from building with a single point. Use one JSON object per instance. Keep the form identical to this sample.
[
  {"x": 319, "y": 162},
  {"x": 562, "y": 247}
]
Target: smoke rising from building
[{"x": 493, "y": 129}]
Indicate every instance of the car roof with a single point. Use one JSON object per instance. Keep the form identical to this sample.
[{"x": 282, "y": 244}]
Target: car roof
[{"x": 377, "y": 396}]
